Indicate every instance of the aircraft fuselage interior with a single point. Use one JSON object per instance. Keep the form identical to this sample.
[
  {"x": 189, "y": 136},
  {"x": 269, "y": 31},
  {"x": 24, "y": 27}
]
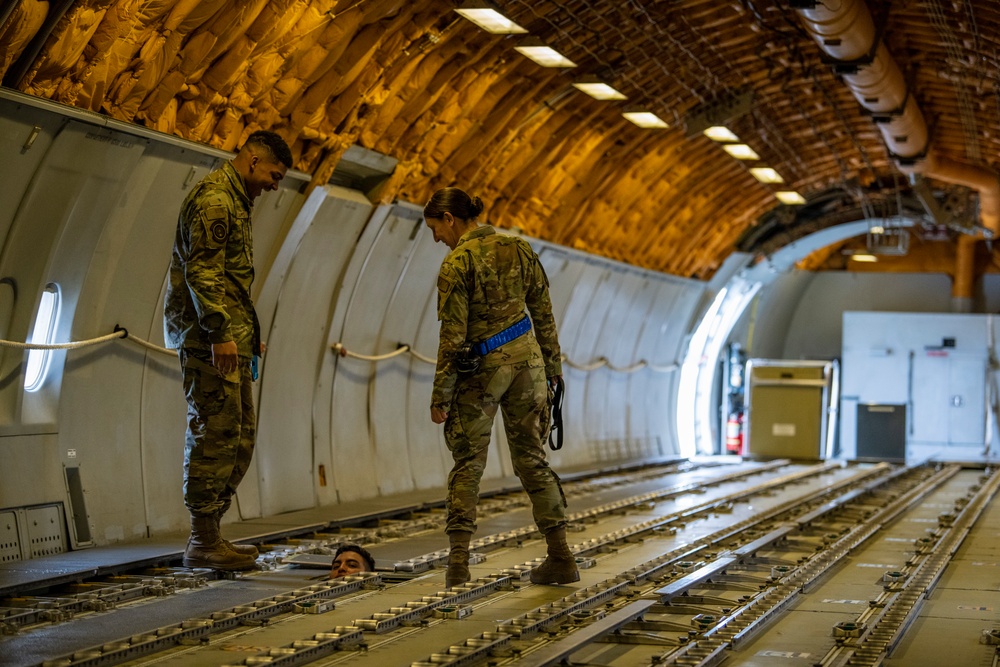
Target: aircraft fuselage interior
[{"x": 767, "y": 231}]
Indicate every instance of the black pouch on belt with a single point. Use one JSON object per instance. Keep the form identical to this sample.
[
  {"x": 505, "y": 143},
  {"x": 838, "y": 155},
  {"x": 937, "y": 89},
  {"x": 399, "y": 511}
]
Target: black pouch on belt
[{"x": 467, "y": 361}]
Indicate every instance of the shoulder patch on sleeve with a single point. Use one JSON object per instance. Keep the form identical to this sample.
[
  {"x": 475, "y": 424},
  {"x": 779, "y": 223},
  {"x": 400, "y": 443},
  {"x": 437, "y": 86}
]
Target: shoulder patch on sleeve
[
  {"x": 445, "y": 288},
  {"x": 219, "y": 231},
  {"x": 447, "y": 280},
  {"x": 216, "y": 218}
]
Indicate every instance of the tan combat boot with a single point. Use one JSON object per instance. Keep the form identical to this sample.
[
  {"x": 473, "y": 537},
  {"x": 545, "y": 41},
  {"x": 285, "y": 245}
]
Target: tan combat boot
[
  {"x": 245, "y": 549},
  {"x": 205, "y": 548},
  {"x": 458, "y": 558},
  {"x": 559, "y": 566}
]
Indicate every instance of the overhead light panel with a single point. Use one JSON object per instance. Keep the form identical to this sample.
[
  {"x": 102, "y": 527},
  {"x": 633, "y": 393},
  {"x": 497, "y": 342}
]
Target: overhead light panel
[
  {"x": 489, "y": 19},
  {"x": 646, "y": 119},
  {"x": 766, "y": 175},
  {"x": 864, "y": 258},
  {"x": 545, "y": 56},
  {"x": 599, "y": 91},
  {"x": 790, "y": 197},
  {"x": 720, "y": 133},
  {"x": 740, "y": 151}
]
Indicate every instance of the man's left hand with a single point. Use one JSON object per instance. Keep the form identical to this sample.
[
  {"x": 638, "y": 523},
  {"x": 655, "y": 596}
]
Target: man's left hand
[{"x": 438, "y": 416}]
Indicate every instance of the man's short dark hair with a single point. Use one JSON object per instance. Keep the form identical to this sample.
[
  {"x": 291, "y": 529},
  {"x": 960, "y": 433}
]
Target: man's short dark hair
[
  {"x": 273, "y": 144},
  {"x": 358, "y": 549}
]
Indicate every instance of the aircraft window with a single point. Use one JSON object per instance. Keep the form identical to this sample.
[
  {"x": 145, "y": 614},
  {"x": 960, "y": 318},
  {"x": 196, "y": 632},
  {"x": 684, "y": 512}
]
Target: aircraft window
[{"x": 42, "y": 333}]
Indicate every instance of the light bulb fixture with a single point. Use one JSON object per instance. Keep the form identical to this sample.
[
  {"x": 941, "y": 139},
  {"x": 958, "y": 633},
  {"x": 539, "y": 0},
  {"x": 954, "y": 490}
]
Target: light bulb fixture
[
  {"x": 740, "y": 151},
  {"x": 599, "y": 90},
  {"x": 863, "y": 258},
  {"x": 489, "y": 19},
  {"x": 766, "y": 175},
  {"x": 545, "y": 56},
  {"x": 790, "y": 197},
  {"x": 720, "y": 133},
  {"x": 646, "y": 119}
]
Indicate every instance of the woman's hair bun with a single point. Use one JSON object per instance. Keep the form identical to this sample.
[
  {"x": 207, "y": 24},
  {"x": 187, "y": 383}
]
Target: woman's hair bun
[{"x": 476, "y": 207}]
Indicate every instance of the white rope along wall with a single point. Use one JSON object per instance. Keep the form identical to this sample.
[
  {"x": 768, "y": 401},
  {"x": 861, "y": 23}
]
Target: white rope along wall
[
  {"x": 601, "y": 362},
  {"x": 119, "y": 333}
]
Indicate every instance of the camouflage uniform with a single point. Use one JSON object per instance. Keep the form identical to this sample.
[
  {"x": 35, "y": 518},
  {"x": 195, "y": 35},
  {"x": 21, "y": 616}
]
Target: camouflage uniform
[
  {"x": 483, "y": 287},
  {"x": 208, "y": 301}
]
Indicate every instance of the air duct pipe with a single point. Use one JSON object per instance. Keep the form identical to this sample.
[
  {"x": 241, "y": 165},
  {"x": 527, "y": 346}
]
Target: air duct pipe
[{"x": 847, "y": 34}]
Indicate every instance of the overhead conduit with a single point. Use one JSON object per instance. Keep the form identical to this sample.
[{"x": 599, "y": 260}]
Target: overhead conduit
[{"x": 847, "y": 33}]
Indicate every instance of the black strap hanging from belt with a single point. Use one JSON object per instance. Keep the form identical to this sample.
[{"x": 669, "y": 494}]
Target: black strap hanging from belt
[{"x": 557, "y": 418}]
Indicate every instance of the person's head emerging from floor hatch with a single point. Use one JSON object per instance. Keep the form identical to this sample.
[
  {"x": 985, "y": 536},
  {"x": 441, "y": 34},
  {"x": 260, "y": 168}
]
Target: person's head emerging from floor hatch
[{"x": 351, "y": 559}]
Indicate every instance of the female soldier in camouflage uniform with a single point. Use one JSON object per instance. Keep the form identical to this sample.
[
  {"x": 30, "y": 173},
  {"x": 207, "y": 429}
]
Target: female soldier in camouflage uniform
[{"x": 484, "y": 284}]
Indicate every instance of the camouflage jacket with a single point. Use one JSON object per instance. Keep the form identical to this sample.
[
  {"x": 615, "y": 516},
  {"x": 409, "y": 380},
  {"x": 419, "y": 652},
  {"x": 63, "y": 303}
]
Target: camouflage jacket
[
  {"x": 211, "y": 269},
  {"x": 483, "y": 288}
]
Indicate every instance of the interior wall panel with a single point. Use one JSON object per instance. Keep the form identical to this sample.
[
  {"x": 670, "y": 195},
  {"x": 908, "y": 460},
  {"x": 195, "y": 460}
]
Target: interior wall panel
[
  {"x": 273, "y": 215},
  {"x": 401, "y": 387},
  {"x": 636, "y": 316},
  {"x": 630, "y": 313},
  {"x": 52, "y": 239},
  {"x": 434, "y": 460},
  {"x": 672, "y": 313},
  {"x": 55, "y": 239},
  {"x": 582, "y": 398},
  {"x": 329, "y": 421},
  {"x": 357, "y": 316},
  {"x": 267, "y": 285},
  {"x": 279, "y": 220},
  {"x": 284, "y": 464},
  {"x": 639, "y": 384},
  {"x": 99, "y": 413},
  {"x": 599, "y": 336},
  {"x": 370, "y": 326},
  {"x": 31, "y": 470},
  {"x": 163, "y": 422},
  {"x": 562, "y": 275},
  {"x": 25, "y": 139},
  {"x": 584, "y": 280}
]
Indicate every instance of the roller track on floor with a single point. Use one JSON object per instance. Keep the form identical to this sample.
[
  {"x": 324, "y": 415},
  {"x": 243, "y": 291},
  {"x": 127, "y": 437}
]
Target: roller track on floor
[{"x": 680, "y": 565}]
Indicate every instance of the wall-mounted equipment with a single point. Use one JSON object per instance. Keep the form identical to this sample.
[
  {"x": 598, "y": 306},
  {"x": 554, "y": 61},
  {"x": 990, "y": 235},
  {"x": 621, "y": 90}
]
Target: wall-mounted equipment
[{"x": 881, "y": 432}]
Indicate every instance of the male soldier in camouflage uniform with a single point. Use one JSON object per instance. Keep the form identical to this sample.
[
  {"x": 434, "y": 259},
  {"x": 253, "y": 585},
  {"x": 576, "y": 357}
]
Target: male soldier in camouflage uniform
[
  {"x": 208, "y": 315},
  {"x": 484, "y": 284}
]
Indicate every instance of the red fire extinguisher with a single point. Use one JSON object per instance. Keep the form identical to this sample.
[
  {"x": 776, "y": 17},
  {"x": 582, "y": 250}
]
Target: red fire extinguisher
[{"x": 734, "y": 434}]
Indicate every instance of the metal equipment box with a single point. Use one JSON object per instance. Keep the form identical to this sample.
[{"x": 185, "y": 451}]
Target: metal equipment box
[
  {"x": 790, "y": 410},
  {"x": 881, "y": 432}
]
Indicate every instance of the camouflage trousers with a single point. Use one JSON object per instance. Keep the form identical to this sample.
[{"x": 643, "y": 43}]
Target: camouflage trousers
[
  {"x": 520, "y": 391},
  {"x": 221, "y": 432}
]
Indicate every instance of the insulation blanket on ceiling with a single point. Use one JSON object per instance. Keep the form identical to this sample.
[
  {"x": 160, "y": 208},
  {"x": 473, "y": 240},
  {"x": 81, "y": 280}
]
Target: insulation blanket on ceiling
[
  {"x": 18, "y": 30},
  {"x": 64, "y": 49}
]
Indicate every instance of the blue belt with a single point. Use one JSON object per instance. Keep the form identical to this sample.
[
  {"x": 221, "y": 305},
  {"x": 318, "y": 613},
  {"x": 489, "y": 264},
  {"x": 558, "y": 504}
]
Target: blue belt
[{"x": 496, "y": 340}]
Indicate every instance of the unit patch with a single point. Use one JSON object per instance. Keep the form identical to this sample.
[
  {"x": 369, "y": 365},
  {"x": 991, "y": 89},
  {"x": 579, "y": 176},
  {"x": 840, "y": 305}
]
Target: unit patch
[
  {"x": 217, "y": 223},
  {"x": 219, "y": 232}
]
